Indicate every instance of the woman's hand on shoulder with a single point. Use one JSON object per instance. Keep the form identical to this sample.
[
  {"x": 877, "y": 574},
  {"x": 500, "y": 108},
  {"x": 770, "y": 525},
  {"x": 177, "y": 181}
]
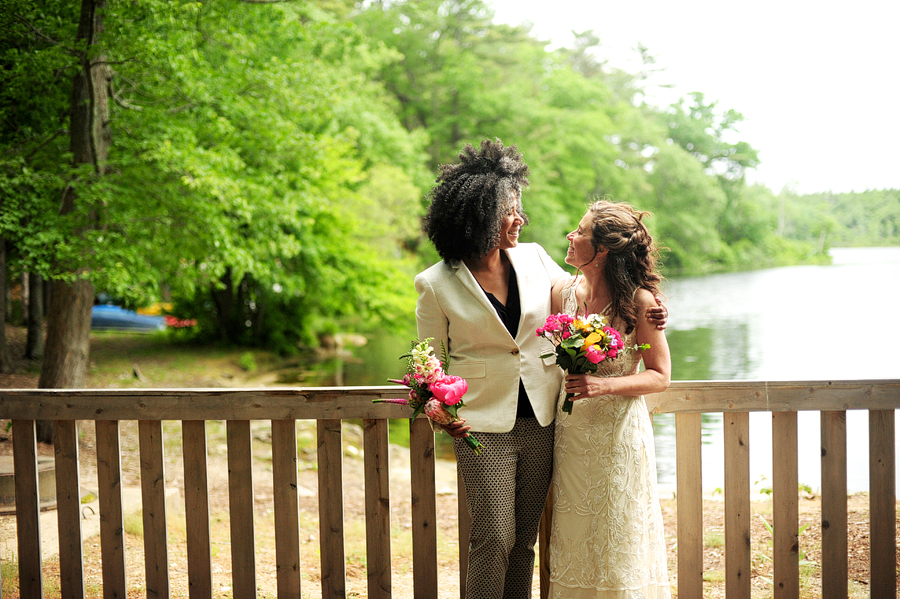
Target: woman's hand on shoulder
[{"x": 657, "y": 313}]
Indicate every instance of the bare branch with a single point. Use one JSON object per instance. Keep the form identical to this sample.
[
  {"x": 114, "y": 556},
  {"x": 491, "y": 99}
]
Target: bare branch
[
  {"x": 182, "y": 108},
  {"x": 123, "y": 103},
  {"x": 41, "y": 35},
  {"x": 55, "y": 134}
]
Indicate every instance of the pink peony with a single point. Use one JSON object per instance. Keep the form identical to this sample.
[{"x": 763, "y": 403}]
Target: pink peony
[
  {"x": 449, "y": 389},
  {"x": 594, "y": 355},
  {"x": 552, "y": 325}
]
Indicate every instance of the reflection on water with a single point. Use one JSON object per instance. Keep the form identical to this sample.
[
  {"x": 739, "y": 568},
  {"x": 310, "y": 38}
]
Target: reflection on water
[
  {"x": 792, "y": 323},
  {"x": 709, "y": 353}
]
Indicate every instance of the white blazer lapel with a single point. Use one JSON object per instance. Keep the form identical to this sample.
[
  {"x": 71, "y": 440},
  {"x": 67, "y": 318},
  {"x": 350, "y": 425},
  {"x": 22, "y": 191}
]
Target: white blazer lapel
[{"x": 465, "y": 276}]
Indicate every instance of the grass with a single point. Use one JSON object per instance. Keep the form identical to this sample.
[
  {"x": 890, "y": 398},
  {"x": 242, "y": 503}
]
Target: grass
[
  {"x": 134, "y": 523},
  {"x": 9, "y": 575},
  {"x": 714, "y": 539},
  {"x": 714, "y": 576}
]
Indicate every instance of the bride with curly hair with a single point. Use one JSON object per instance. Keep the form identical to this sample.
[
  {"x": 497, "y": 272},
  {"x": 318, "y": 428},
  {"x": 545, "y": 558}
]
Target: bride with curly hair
[{"x": 606, "y": 538}]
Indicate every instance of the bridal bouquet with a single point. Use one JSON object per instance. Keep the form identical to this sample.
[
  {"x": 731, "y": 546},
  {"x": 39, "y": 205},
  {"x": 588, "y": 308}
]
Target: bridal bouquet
[
  {"x": 581, "y": 344},
  {"x": 431, "y": 389}
]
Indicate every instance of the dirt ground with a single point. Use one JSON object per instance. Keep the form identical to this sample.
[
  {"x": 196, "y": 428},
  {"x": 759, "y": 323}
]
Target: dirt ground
[{"x": 402, "y": 583}]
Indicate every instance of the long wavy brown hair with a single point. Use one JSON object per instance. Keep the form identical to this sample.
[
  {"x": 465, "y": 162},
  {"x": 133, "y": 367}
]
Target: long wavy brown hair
[{"x": 632, "y": 259}]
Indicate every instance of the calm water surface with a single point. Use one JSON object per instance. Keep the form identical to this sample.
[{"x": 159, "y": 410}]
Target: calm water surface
[
  {"x": 782, "y": 324},
  {"x": 795, "y": 323}
]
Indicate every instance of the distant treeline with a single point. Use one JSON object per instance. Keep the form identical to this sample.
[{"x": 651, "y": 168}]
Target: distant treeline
[{"x": 856, "y": 219}]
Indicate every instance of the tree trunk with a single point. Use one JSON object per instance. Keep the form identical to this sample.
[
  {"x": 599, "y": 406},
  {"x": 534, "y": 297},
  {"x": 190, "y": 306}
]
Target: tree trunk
[
  {"x": 69, "y": 318},
  {"x": 227, "y": 307},
  {"x": 68, "y": 335},
  {"x": 25, "y": 292},
  {"x": 5, "y": 363},
  {"x": 34, "y": 346}
]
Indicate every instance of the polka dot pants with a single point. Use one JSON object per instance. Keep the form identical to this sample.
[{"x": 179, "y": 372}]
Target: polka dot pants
[{"x": 506, "y": 487}]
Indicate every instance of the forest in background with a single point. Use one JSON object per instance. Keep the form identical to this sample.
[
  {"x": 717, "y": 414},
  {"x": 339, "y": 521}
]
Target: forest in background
[{"x": 264, "y": 166}]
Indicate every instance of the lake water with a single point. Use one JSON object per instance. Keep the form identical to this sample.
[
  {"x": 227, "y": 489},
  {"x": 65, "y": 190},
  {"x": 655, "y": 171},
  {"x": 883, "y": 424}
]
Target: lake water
[{"x": 795, "y": 323}]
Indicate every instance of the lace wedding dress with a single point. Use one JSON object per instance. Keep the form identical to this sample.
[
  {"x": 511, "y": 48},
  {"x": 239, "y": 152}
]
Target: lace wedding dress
[{"x": 606, "y": 540}]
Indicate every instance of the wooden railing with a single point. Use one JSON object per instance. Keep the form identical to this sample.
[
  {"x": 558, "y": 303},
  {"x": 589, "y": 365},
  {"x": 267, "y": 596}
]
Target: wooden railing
[{"x": 329, "y": 406}]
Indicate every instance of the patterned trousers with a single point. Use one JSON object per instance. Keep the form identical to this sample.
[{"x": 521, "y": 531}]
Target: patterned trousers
[{"x": 506, "y": 487}]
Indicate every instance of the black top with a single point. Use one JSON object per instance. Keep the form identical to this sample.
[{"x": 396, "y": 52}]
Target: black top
[{"x": 509, "y": 316}]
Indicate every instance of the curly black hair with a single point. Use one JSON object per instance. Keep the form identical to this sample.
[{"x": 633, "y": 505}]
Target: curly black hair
[{"x": 471, "y": 199}]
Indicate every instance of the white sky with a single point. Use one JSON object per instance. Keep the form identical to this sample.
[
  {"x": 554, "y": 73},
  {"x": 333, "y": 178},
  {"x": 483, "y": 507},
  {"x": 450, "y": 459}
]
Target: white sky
[{"x": 817, "y": 82}]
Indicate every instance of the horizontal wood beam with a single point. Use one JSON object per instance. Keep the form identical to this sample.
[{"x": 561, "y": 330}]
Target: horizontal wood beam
[
  {"x": 277, "y": 403},
  {"x": 333, "y": 403},
  {"x": 776, "y": 396}
]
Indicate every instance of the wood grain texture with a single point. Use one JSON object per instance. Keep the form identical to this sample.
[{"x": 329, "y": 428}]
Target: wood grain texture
[
  {"x": 882, "y": 504},
  {"x": 240, "y": 501},
  {"x": 287, "y": 508},
  {"x": 378, "y": 508},
  {"x": 834, "y": 504},
  {"x": 690, "y": 505},
  {"x": 737, "y": 504},
  {"x": 68, "y": 509},
  {"x": 203, "y": 404},
  {"x": 424, "y": 510},
  {"x": 331, "y": 508},
  {"x": 112, "y": 520},
  {"x": 687, "y": 399},
  {"x": 356, "y": 402},
  {"x": 28, "y": 510},
  {"x": 786, "y": 518},
  {"x": 196, "y": 506},
  {"x": 153, "y": 494}
]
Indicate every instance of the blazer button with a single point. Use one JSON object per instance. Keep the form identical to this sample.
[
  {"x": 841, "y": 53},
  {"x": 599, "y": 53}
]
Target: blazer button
[{"x": 515, "y": 352}]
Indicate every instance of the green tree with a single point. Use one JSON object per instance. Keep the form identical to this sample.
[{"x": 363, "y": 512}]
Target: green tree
[{"x": 248, "y": 138}]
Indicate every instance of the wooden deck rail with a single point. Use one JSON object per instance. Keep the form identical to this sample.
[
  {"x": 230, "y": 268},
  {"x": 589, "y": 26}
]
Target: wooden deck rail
[{"x": 328, "y": 406}]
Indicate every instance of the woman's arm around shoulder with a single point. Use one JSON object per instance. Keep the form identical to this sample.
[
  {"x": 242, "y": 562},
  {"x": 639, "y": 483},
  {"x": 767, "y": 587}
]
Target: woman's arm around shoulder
[{"x": 657, "y": 360}]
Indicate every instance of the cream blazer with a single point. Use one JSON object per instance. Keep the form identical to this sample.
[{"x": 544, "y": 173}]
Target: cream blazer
[{"x": 453, "y": 309}]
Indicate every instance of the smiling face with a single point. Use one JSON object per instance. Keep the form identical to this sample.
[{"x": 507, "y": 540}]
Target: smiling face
[
  {"x": 511, "y": 223},
  {"x": 581, "y": 251}
]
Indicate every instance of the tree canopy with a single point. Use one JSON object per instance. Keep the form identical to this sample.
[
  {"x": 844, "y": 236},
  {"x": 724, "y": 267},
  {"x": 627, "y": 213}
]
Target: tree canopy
[{"x": 269, "y": 162}]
